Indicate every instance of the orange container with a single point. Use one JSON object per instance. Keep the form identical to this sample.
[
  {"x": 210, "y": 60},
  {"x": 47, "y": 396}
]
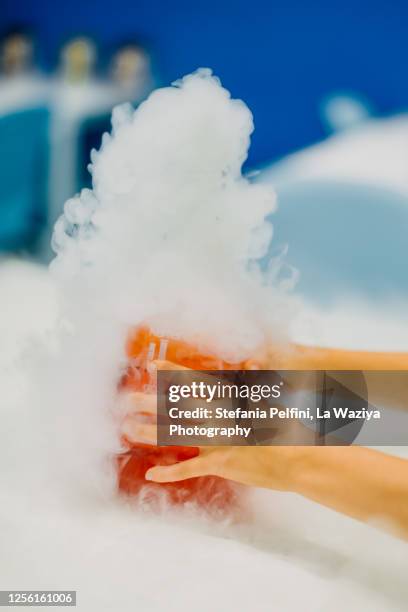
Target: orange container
[{"x": 214, "y": 494}]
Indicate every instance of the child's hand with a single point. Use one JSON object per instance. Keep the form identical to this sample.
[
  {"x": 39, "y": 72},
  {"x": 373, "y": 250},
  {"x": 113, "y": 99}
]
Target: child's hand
[
  {"x": 139, "y": 410},
  {"x": 259, "y": 466},
  {"x": 256, "y": 466}
]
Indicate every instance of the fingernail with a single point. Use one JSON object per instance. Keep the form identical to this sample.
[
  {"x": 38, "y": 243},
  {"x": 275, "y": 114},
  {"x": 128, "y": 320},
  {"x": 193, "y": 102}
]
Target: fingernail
[{"x": 148, "y": 475}]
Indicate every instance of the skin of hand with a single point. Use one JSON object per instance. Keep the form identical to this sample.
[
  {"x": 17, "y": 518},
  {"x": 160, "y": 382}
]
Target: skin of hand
[
  {"x": 362, "y": 483},
  {"x": 378, "y": 368},
  {"x": 250, "y": 465}
]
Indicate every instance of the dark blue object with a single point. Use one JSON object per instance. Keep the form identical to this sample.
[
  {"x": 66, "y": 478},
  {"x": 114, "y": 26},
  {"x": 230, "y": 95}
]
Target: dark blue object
[
  {"x": 89, "y": 138},
  {"x": 24, "y": 151}
]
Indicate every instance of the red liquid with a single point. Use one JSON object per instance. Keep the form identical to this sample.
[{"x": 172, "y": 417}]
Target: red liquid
[{"x": 210, "y": 492}]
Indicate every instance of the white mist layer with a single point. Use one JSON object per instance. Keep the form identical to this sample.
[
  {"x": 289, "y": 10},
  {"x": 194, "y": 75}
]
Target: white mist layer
[
  {"x": 65, "y": 535},
  {"x": 171, "y": 232},
  {"x": 373, "y": 153}
]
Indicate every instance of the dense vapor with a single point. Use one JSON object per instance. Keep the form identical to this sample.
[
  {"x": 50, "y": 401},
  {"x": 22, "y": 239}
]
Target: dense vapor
[{"x": 171, "y": 233}]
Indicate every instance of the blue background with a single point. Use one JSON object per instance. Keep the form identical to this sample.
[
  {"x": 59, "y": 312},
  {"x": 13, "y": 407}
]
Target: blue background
[{"x": 281, "y": 58}]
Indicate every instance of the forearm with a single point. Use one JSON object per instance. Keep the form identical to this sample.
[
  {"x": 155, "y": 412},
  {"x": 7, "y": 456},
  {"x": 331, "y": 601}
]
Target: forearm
[
  {"x": 386, "y": 373},
  {"x": 299, "y": 357},
  {"x": 360, "y": 482}
]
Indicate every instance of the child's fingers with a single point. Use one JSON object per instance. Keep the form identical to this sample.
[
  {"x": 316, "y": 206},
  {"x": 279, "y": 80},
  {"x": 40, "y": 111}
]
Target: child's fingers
[
  {"x": 138, "y": 432},
  {"x": 136, "y": 403},
  {"x": 192, "y": 468},
  {"x": 143, "y": 402}
]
